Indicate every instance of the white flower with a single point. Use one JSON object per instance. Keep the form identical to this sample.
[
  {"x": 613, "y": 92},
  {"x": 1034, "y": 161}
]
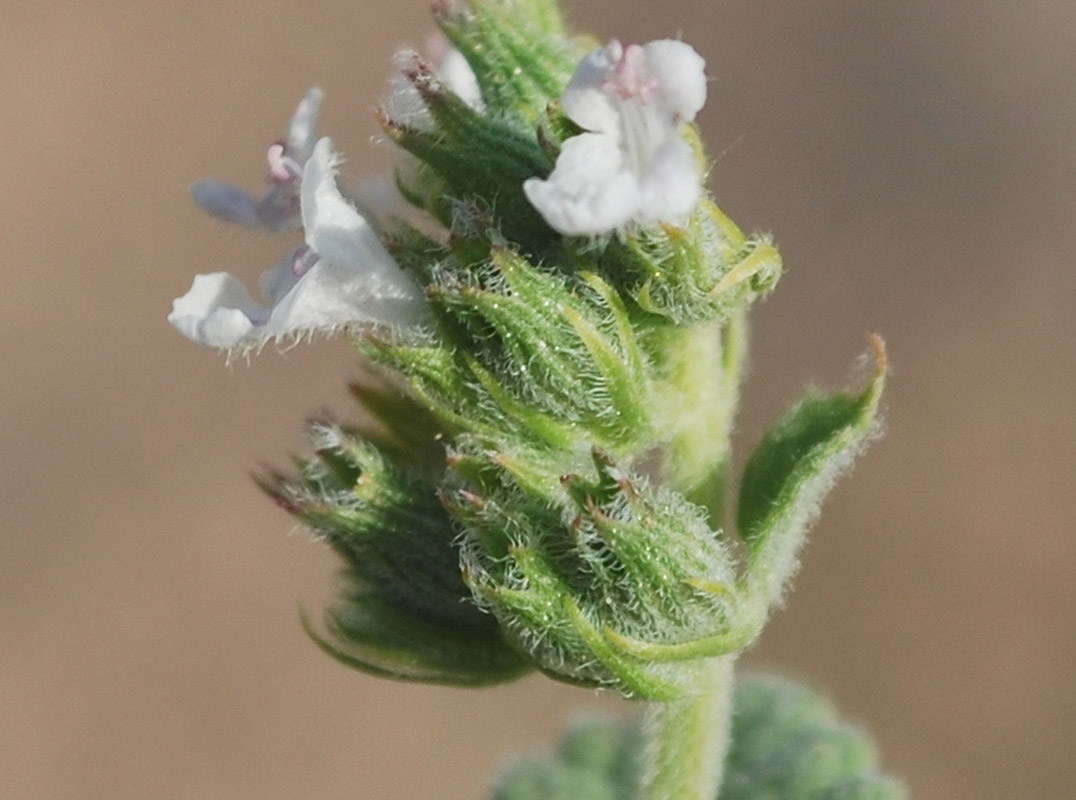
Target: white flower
[
  {"x": 632, "y": 164},
  {"x": 342, "y": 277},
  {"x": 278, "y": 208}
]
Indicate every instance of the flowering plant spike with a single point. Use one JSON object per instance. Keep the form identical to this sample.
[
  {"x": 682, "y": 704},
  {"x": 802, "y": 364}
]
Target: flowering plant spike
[{"x": 554, "y": 321}]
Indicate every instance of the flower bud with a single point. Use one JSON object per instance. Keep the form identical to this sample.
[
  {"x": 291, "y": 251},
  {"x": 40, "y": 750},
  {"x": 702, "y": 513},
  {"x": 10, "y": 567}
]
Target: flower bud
[
  {"x": 528, "y": 355},
  {"x": 403, "y": 611},
  {"x": 703, "y": 271},
  {"x": 599, "y": 577}
]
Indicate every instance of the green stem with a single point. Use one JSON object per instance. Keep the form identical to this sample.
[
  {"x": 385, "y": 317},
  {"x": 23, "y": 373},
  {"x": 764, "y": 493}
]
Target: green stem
[
  {"x": 687, "y": 739},
  {"x": 703, "y": 366}
]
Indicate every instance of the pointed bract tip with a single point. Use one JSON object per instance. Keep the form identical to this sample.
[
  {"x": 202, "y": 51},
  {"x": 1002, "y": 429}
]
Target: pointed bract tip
[{"x": 881, "y": 358}]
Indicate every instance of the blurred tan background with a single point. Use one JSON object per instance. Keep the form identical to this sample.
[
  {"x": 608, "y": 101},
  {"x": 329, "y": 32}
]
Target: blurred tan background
[{"x": 916, "y": 162}]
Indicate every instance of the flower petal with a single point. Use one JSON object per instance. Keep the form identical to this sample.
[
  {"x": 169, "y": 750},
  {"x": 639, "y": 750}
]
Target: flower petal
[
  {"x": 333, "y": 295},
  {"x": 404, "y": 104},
  {"x": 632, "y": 165},
  {"x": 276, "y": 282},
  {"x": 680, "y": 73},
  {"x": 277, "y": 209},
  {"x": 670, "y": 187},
  {"x": 343, "y": 277},
  {"x": 302, "y": 133},
  {"x": 585, "y": 100},
  {"x": 589, "y": 191},
  {"x": 342, "y": 237},
  {"x": 217, "y": 311}
]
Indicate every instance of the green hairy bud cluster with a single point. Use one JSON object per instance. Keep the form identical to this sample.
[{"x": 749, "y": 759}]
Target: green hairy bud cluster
[
  {"x": 403, "y": 612},
  {"x": 599, "y": 577},
  {"x": 555, "y": 332},
  {"x": 528, "y": 355},
  {"x": 549, "y": 490}
]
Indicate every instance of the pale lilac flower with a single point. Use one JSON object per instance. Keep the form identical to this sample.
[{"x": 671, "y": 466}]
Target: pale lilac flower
[
  {"x": 632, "y": 165},
  {"x": 278, "y": 208},
  {"x": 342, "y": 277}
]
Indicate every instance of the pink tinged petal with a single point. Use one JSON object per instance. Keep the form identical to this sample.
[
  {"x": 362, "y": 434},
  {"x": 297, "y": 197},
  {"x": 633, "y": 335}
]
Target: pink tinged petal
[
  {"x": 680, "y": 74},
  {"x": 217, "y": 311},
  {"x": 228, "y": 202},
  {"x": 589, "y": 192},
  {"x": 302, "y": 133},
  {"x": 634, "y": 167},
  {"x": 670, "y": 188},
  {"x": 630, "y": 78}
]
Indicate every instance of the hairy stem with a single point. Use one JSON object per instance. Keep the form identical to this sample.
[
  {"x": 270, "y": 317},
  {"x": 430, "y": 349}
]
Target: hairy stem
[
  {"x": 703, "y": 366},
  {"x": 687, "y": 739}
]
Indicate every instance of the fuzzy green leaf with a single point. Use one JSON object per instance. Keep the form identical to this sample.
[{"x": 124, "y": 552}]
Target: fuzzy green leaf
[
  {"x": 787, "y": 744},
  {"x": 791, "y": 471},
  {"x": 478, "y": 159}
]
